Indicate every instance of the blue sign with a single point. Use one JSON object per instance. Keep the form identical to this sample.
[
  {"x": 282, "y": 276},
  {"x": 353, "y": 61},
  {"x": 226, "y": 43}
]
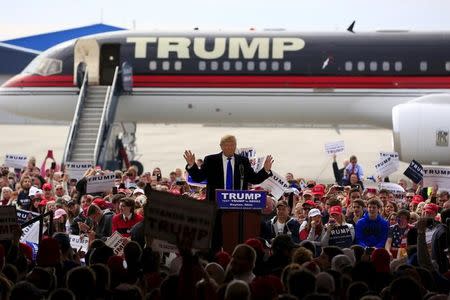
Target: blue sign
[
  {"x": 228, "y": 199},
  {"x": 191, "y": 181}
]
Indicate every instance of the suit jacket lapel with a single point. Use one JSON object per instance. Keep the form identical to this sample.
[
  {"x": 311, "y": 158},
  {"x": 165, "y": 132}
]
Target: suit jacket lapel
[
  {"x": 221, "y": 172},
  {"x": 237, "y": 174}
]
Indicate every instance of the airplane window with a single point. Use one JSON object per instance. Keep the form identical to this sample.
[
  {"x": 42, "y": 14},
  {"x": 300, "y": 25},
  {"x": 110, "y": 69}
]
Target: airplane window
[
  {"x": 214, "y": 65},
  {"x": 226, "y": 65},
  {"x": 423, "y": 66},
  {"x": 153, "y": 65},
  {"x": 348, "y": 66},
  {"x": 447, "y": 66},
  {"x": 166, "y": 65},
  {"x": 398, "y": 66},
  {"x": 373, "y": 66},
  {"x": 44, "y": 66},
  {"x": 202, "y": 66},
  {"x": 361, "y": 66},
  {"x": 386, "y": 66},
  {"x": 262, "y": 65},
  {"x": 275, "y": 66},
  {"x": 178, "y": 65},
  {"x": 238, "y": 65},
  {"x": 287, "y": 65},
  {"x": 251, "y": 66}
]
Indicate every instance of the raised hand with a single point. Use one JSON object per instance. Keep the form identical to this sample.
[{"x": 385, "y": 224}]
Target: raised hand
[
  {"x": 268, "y": 163},
  {"x": 189, "y": 157}
]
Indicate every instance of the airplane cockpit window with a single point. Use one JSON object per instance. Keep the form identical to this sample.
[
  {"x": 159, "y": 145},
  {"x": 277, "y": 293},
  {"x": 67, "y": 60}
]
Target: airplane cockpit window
[
  {"x": 44, "y": 66},
  {"x": 348, "y": 66},
  {"x": 423, "y": 66},
  {"x": 386, "y": 66},
  {"x": 398, "y": 66}
]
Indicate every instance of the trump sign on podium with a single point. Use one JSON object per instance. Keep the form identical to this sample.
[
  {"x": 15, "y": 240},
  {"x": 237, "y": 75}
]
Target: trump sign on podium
[{"x": 241, "y": 199}]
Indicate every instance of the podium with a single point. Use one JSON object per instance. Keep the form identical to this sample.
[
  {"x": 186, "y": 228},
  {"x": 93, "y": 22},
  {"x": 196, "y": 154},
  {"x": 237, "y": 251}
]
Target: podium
[{"x": 241, "y": 216}]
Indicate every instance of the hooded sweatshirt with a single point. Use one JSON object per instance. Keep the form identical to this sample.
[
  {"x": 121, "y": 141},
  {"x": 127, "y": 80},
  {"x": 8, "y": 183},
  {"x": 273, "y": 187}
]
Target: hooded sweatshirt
[{"x": 372, "y": 233}]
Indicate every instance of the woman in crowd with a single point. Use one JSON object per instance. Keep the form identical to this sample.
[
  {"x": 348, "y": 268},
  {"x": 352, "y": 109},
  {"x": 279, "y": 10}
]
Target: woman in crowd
[
  {"x": 312, "y": 228},
  {"x": 397, "y": 233},
  {"x": 338, "y": 232},
  {"x": 389, "y": 208}
]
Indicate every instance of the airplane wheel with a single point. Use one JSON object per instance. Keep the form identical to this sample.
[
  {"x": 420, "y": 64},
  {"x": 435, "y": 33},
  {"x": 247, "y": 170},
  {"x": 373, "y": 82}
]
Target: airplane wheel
[{"x": 138, "y": 165}]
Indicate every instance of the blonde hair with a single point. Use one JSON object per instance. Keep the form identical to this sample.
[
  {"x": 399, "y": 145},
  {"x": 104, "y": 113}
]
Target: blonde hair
[{"x": 227, "y": 138}]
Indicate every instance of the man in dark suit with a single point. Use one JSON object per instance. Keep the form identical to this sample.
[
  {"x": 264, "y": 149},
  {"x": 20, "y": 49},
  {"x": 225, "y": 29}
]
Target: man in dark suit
[{"x": 225, "y": 170}]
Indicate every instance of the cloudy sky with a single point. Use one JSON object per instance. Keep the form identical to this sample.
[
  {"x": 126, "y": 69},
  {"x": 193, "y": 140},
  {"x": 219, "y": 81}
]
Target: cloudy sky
[{"x": 25, "y": 17}]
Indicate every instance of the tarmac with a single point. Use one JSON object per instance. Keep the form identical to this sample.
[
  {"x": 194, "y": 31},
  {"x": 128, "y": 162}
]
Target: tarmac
[{"x": 297, "y": 150}]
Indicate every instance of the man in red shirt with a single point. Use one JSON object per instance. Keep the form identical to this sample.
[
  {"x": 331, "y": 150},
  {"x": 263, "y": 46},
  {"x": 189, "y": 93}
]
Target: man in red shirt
[{"x": 126, "y": 218}]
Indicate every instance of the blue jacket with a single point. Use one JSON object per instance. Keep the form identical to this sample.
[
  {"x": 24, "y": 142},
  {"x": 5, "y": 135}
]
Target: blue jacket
[{"x": 371, "y": 233}]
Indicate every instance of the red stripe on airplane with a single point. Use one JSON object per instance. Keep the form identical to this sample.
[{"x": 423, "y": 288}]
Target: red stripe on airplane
[{"x": 248, "y": 81}]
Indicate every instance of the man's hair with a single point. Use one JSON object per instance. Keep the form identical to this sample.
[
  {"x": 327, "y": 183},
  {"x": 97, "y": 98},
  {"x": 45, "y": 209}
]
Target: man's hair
[
  {"x": 353, "y": 157},
  {"x": 237, "y": 289},
  {"x": 444, "y": 193},
  {"x": 93, "y": 209},
  {"x": 227, "y": 138},
  {"x": 301, "y": 283},
  {"x": 383, "y": 191},
  {"x": 360, "y": 202},
  {"x": 374, "y": 201},
  {"x": 404, "y": 212},
  {"x": 128, "y": 202},
  {"x": 250, "y": 253},
  {"x": 334, "y": 202}
]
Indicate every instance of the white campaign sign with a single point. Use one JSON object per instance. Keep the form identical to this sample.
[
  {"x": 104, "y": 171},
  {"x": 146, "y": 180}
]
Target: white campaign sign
[
  {"x": 16, "y": 161},
  {"x": 100, "y": 183},
  {"x": 30, "y": 233},
  {"x": 393, "y": 155},
  {"x": 275, "y": 184},
  {"x": 77, "y": 242},
  {"x": 334, "y": 147},
  {"x": 163, "y": 246},
  {"x": 77, "y": 169},
  {"x": 248, "y": 152},
  {"x": 257, "y": 163},
  {"x": 439, "y": 176},
  {"x": 117, "y": 242},
  {"x": 385, "y": 166}
]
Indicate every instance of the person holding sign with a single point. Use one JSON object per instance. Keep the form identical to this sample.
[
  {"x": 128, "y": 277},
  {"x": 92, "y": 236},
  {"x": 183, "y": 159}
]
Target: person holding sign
[
  {"x": 352, "y": 168},
  {"x": 225, "y": 170}
]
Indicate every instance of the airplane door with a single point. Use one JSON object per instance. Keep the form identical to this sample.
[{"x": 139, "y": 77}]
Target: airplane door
[
  {"x": 109, "y": 60},
  {"x": 87, "y": 51}
]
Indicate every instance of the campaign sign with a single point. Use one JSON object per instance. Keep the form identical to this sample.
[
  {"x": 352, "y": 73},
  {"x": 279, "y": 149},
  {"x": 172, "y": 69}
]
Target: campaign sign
[
  {"x": 191, "y": 181},
  {"x": 25, "y": 215},
  {"x": 414, "y": 171},
  {"x": 275, "y": 184},
  {"x": 16, "y": 161},
  {"x": 248, "y": 152},
  {"x": 397, "y": 190},
  {"x": 100, "y": 183},
  {"x": 76, "y": 170},
  {"x": 173, "y": 218},
  {"x": 30, "y": 234},
  {"x": 440, "y": 176},
  {"x": 241, "y": 199},
  {"x": 117, "y": 242},
  {"x": 8, "y": 221},
  {"x": 334, "y": 147},
  {"x": 393, "y": 155},
  {"x": 386, "y": 166},
  {"x": 257, "y": 163},
  {"x": 77, "y": 242}
]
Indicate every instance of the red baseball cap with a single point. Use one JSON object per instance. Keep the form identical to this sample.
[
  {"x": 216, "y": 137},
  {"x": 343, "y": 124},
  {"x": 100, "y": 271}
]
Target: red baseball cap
[
  {"x": 431, "y": 208},
  {"x": 47, "y": 186},
  {"x": 335, "y": 210},
  {"x": 310, "y": 203},
  {"x": 417, "y": 199},
  {"x": 318, "y": 189}
]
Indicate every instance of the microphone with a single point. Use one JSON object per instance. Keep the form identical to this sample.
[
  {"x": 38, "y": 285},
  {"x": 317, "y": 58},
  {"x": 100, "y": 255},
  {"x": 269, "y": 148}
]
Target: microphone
[{"x": 241, "y": 171}]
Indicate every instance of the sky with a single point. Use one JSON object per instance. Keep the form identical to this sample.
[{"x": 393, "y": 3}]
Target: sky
[{"x": 27, "y": 17}]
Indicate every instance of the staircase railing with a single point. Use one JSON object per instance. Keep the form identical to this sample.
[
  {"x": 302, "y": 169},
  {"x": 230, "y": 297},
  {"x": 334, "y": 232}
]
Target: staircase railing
[
  {"x": 76, "y": 117},
  {"x": 107, "y": 120}
]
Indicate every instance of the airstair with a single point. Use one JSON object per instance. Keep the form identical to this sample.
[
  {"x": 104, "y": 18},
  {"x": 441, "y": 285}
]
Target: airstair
[{"x": 92, "y": 123}]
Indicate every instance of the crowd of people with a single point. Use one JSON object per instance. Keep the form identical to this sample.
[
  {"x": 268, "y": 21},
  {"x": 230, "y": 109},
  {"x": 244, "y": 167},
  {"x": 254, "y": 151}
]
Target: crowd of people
[{"x": 318, "y": 241}]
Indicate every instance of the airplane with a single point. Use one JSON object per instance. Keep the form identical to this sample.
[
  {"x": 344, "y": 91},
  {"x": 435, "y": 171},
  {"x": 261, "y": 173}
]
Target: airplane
[{"x": 388, "y": 79}]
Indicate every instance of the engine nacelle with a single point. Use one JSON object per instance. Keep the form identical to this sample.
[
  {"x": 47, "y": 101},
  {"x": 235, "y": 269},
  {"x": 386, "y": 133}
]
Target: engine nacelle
[{"x": 421, "y": 129}]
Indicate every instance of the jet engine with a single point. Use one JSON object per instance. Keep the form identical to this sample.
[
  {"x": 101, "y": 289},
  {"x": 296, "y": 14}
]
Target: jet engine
[{"x": 421, "y": 129}]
